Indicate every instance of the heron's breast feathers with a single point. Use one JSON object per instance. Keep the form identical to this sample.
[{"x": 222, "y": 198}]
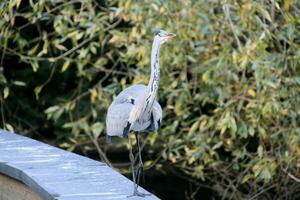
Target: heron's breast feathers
[{"x": 135, "y": 113}]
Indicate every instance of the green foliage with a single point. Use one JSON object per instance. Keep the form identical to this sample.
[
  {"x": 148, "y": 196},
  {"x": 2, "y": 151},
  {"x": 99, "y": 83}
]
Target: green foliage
[{"x": 230, "y": 84}]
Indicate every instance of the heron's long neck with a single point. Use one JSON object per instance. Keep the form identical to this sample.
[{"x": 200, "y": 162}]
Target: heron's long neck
[{"x": 155, "y": 74}]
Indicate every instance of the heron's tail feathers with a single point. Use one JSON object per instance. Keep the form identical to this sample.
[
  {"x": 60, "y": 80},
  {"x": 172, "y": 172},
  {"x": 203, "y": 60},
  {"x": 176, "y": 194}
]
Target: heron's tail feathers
[{"x": 126, "y": 130}]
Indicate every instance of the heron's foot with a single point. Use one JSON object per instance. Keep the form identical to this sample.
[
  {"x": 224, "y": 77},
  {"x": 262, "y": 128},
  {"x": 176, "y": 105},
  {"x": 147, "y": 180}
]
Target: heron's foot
[{"x": 139, "y": 194}]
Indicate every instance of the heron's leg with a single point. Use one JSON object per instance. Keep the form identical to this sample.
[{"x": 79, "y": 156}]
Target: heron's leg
[
  {"x": 140, "y": 166},
  {"x": 134, "y": 174},
  {"x": 132, "y": 160}
]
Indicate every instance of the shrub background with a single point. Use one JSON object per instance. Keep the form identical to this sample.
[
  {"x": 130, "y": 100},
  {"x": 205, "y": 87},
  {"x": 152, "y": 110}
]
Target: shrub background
[{"x": 230, "y": 84}]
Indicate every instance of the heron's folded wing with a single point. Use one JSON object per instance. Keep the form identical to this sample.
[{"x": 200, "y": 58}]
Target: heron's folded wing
[
  {"x": 117, "y": 118},
  {"x": 130, "y": 93},
  {"x": 157, "y": 109},
  {"x": 156, "y": 117}
]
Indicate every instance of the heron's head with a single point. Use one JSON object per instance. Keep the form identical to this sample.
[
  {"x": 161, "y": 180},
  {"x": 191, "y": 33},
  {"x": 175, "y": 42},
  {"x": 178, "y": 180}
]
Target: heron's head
[{"x": 163, "y": 36}]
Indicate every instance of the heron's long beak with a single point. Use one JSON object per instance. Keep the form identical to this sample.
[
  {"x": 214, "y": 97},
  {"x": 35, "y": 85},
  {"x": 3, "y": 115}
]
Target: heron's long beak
[{"x": 171, "y": 35}]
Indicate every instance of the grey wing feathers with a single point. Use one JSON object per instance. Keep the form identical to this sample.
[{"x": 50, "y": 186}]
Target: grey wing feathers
[
  {"x": 157, "y": 109},
  {"x": 131, "y": 92},
  {"x": 116, "y": 119},
  {"x": 157, "y": 116},
  {"x": 118, "y": 111}
]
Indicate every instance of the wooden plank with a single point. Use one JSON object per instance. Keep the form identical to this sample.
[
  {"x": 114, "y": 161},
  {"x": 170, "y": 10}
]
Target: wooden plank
[
  {"x": 13, "y": 189},
  {"x": 57, "y": 174}
]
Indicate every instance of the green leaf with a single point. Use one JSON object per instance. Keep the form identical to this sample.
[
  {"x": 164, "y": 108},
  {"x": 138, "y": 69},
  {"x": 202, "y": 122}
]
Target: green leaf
[
  {"x": 56, "y": 115},
  {"x": 34, "y": 65},
  {"x": 37, "y": 91},
  {"x": 52, "y": 109},
  {"x": 193, "y": 129},
  {"x": 70, "y": 125},
  {"x": 97, "y": 128},
  {"x": 242, "y": 130},
  {"x": 19, "y": 83},
  {"x": 18, "y": 2},
  {"x": 265, "y": 174},
  {"x": 251, "y": 131},
  {"x": 270, "y": 84},
  {"x": 101, "y": 62},
  {"x": 2, "y": 79},
  {"x": 233, "y": 126},
  {"x": 262, "y": 132},
  {"x": 246, "y": 178},
  {"x": 218, "y": 145},
  {"x": 152, "y": 138},
  {"x": 33, "y": 49}
]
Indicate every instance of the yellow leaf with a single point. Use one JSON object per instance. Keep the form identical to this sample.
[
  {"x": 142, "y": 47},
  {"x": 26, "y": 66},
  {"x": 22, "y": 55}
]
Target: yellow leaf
[
  {"x": 186, "y": 149},
  {"x": 94, "y": 95},
  {"x": 65, "y": 65},
  {"x": 93, "y": 50},
  {"x": 203, "y": 123},
  {"x": 246, "y": 178},
  {"x": 286, "y": 5},
  {"x": 251, "y": 93},
  {"x": 18, "y": 3},
  {"x": 123, "y": 82},
  {"x": 191, "y": 160},
  {"x": 266, "y": 14},
  {"x": 9, "y": 127},
  {"x": 174, "y": 83},
  {"x": 173, "y": 159},
  {"x": 141, "y": 52},
  {"x": 223, "y": 129},
  {"x": 34, "y": 65},
  {"x": 229, "y": 142},
  {"x": 193, "y": 128},
  {"x": 152, "y": 138},
  {"x": 260, "y": 151},
  {"x": 246, "y": 7},
  {"x": 205, "y": 77},
  {"x": 5, "y": 92},
  {"x": 37, "y": 91},
  {"x": 148, "y": 163}
]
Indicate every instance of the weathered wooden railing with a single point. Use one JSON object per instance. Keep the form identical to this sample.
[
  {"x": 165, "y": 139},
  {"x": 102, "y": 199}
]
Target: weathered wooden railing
[{"x": 32, "y": 170}]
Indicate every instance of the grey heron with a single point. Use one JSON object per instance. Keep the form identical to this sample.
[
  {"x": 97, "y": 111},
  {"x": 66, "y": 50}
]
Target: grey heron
[{"x": 136, "y": 109}]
